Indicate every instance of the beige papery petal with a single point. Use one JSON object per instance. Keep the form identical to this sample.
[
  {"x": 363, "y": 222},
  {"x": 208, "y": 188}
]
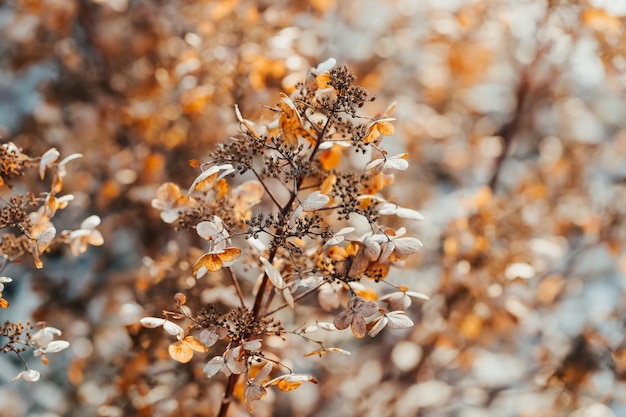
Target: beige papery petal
[
  {"x": 254, "y": 389},
  {"x": 47, "y": 159},
  {"x": 205, "y": 181},
  {"x": 315, "y": 201}
]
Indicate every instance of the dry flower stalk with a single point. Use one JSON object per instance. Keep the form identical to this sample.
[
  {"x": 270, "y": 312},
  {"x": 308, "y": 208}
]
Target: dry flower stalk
[{"x": 292, "y": 224}]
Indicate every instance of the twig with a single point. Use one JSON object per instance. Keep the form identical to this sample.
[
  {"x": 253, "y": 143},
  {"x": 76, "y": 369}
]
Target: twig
[
  {"x": 510, "y": 129},
  {"x": 235, "y": 281}
]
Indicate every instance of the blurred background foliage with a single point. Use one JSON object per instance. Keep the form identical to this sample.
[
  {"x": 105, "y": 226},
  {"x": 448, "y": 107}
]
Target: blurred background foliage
[{"x": 513, "y": 115}]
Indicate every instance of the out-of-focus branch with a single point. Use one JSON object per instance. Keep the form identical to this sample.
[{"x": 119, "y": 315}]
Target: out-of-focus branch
[{"x": 510, "y": 129}]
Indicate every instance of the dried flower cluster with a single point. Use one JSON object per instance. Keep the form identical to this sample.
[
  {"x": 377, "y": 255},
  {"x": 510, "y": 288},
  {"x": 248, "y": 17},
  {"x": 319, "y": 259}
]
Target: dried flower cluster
[
  {"x": 305, "y": 224},
  {"x": 26, "y": 222}
]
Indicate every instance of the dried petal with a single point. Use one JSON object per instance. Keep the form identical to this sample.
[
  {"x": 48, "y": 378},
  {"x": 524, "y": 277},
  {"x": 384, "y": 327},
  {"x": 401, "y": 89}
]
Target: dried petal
[
  {"x": 343, "y": 319},
  {"x": 214, "y": 366},
  {"x": 47, "y": 159},
  {"x": 406, "y": 246},
  {"x": 253, "y": 392},
  {"x": 378, "y": 326},
  {"x": 359, "y": 327},
  {"x": 315, "y": 201},
  {"x": 273, "y": 274},
  {"x": 56, "y": 346},
  {"x": 180, "y": 352}
]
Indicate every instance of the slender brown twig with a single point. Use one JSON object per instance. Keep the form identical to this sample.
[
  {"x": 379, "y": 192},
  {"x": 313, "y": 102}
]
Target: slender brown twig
[{"x": 510, "y": 129}]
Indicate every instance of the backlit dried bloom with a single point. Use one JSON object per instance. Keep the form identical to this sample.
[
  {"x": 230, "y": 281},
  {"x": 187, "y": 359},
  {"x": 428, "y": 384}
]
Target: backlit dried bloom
[
  {"x": 41, "y": 242},
  {"x": 39, "y": 222},
  {"x": 339, "y": 236},
  {"x": 170, "y": 202},
  {"x": 358, "y": 310},
  {"x": 276, "y": 278},
  {"x": 389, "y": 164},
  {"x": 401, "y": 300},
  {"x": 393, "y": 243},
  {"x": 290, "y": 381},
  {"x": 254, "y": 389},
  {"x": 377, "y": 128},
  {"x": 183, "y": 349},
  {"x": 52, "y": 347},
  {"x": 325, "y": 66},
  {"x": 45, "y": 335},
  {"x": 389, "y": 208},
  {"x": 328, "y": 295},
  {"x": 47, "y": 159},
  {"x": 53, "y": 203},
  {"x": 320, "y": 325},
  {"x": 170, "y": 327},
  {"x": 290, "y": 121},
  {"x": 391, "y": 320},
  {"x": 315, "y": 201},
  {"x": 216, "y": 260},
  {"x": 29, "y": 375},
  {"x": 43, "y": 339},
  {"x": 317, "y": 80},
  {"x": 213, "y": 232},
  {"x": 306, "y": 281},
  {"x": 87, "y": 235},
  {"x": 249, "y": 126},
  {"x": 229, "y": 363},
  {"x": 210, "y": 336},
  {"x": 207, "y": 179}
]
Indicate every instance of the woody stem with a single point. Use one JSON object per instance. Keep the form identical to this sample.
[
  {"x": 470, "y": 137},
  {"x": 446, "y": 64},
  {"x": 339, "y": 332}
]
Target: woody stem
[
  {"x": 284, "y": 217},
  {"x": 258, "y": 300}
]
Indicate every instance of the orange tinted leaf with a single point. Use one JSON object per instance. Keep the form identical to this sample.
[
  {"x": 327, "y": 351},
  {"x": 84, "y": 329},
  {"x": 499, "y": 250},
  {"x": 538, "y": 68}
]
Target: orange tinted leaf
[
  {"x": 337, "y": 253},
  {"x": 331, "y": 158},
  {"x": 180, "y": 352},
  {"x": 368, "y": 294},
  {"x": 230, "y": 254},
  {"x": 195, "y": 344},
  {"x": 288, "y": 386},
  {"x": 328, "y": 184},
  {"x": 323, "y": 80},
  {"x": 291, "y": 381},
  {"x": 385, "y": 128},
  {"x": 221, "y": 187},
  {"x": 57, "y": 185},
  {"x": 207, "y": 183},
  {"x": 3, "y": 303},
  {"x": 352, "y": 248},
  {"x": 215, "y": 261},
  {"x": 210, "y": 261},
  {"x": 372, "y": 134}
]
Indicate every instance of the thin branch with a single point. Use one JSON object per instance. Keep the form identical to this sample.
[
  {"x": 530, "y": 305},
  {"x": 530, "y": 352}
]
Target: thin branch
[
  {"x": 297, "y": 298},
  {"x": 510, "y": 129},
  {"x": 233, "y": 278},
  {"x": 256, "y": 174}
]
